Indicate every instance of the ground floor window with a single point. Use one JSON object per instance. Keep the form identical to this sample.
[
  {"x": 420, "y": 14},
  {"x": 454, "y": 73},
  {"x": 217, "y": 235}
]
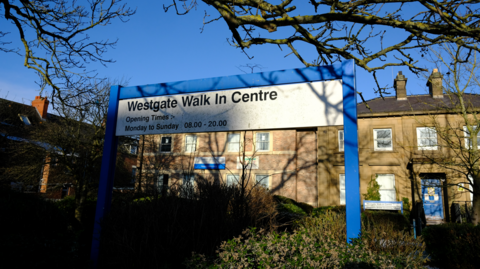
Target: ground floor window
[
  {"x": 262, "y": 180},
  {"x": 387, "y": 187},
  {"x": 232, "y": 179},
  {"x": 342, "y": 189},
  {"x": 162, "y": 182}
]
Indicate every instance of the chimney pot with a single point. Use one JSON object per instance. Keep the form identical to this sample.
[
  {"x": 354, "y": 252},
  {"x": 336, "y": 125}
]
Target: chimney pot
[
  {"x": 434, "y": 84},
  {"x": 400, "y": 85}
]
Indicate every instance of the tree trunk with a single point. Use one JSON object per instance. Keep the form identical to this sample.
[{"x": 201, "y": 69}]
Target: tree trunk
[{"x": 80, "y": 198}]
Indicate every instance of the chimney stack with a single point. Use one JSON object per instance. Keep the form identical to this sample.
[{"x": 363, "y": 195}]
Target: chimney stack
[
  {"x": 41, "y": 104},
  {"x": 435, "y": 84},
  {"x": 400, "y": 85}
]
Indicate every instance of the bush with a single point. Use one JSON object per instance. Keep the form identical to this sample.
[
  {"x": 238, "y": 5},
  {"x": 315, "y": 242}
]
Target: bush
[
  {"x": 163, "y": 230},
  {"x": 36, "y": 233},
  {"x": 386, "y": 218},
  {"x": 453, "y": 245},
  {"x": 317, "y": 243}
]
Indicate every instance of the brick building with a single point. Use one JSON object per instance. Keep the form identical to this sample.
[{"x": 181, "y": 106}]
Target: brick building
[
  {"x": 48, "y": 179},
  {"x": 396, "y": 145}
]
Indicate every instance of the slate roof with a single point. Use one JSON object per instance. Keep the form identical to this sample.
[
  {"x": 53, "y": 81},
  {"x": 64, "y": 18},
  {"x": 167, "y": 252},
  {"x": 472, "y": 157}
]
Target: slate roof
[{"x": 414, "y": 104}]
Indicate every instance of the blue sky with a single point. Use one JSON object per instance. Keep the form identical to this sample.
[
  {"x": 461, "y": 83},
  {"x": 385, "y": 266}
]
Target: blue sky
[{"x": 155, "y": 47}]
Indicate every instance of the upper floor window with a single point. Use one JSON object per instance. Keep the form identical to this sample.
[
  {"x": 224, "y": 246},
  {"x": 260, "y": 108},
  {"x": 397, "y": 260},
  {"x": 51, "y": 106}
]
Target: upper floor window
[
  {"x": 468, "y": 139},
  {"x": 341, "y": 141},
  {"x": 341, "y": 178},
  {"x": 387, "y": 187},
  {"x": 233, "y": 142},
  {"x": 190, "y": 143},
  {"x": 166, "y": 144},
  {"x": 382, "y": 139},
  {"x": 262, "y": 180},
  {"x": 262, "y": 141},
  {"x": 427, "y": 138}
]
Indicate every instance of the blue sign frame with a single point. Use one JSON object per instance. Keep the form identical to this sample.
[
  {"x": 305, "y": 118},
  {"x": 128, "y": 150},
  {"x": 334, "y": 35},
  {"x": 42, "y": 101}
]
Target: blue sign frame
[{"x": 344, "y": 71}]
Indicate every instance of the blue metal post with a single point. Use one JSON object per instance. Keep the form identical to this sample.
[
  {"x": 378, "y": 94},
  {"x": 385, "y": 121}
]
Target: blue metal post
[
  {"x": 107, "y": 173},
  {"x": 352, "y": 173}
]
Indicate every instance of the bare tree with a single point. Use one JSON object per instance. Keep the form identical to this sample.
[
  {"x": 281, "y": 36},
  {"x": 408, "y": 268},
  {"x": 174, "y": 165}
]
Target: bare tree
[
  {"x": 456, "y": 119},
  {"x": 376, "y": 34},
  {"x": 56, "y": 44}
]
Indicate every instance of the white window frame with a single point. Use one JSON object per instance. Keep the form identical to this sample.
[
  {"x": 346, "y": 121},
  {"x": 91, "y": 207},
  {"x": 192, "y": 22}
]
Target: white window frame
[
  {"x": 419, "y": 144},
  {"x": 171, "y": 144},
  {"x": 341, "y": 187},
  {"x": 267, "y": 186},
  {"x": 134, "y": 174},
  {"x": 386, "y": 190},
  {"x": 375, "y": 139},
  {"x": 257, "y": 141},
  {"x": 341, "y": 141},
  {"x": 234, "y": 181},
  {"x": 194, "y": 144},
  {"x": 467, "y": 137},
  {"x": 229, "y": 144}
]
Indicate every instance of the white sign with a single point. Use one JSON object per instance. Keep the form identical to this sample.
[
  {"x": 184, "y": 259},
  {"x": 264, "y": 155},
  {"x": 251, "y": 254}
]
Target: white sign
[
  {"x": 285, "y": 106},
  {"x": 383, "y": 206},
  {"x": 250, "y": 162}
]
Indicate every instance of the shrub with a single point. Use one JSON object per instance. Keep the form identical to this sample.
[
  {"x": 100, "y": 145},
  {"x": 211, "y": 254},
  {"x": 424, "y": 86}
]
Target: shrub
[
  {"x": 35, "y": 233},
  {"x": 163, "y": 230},
  {"x": 386, "y": 218},
  {"x": 373, "y": 190},
  {"x": 315, "y": 244},
  {"x": 453, "y": 245}
]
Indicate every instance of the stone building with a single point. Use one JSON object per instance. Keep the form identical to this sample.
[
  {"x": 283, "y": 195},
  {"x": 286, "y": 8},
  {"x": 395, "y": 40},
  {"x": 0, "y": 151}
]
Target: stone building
[{"x": 398, "y": 146}]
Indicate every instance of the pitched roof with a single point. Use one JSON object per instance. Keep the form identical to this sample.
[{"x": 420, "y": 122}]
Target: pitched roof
[{"x": 414, "y": 104}]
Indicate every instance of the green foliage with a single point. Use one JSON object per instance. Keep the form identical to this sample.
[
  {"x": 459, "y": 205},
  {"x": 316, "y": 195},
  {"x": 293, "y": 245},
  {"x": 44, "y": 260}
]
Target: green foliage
[
  {"x": 319, "y": 242},
  {"x": 287, "y": 205},
  {"x": 407, "y": 207},
  {"x": 37, "y": 229},
  {"x": 373, "y": 190},
  {"x": 453, "y": 245},
  {"x": 323, "y": 209}
]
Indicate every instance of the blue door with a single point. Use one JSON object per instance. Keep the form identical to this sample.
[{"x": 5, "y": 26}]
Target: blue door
[{"x": 432, "y": 198}]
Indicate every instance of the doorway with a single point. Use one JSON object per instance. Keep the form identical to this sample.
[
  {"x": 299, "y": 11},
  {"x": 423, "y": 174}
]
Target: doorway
[{"x": 432, "y": 198}]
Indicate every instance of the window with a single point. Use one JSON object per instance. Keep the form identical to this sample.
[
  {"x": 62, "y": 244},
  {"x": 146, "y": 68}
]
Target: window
[
  {"x": 427, "y": 138},
  {"x": 341, "y": 178},
  {"x": 232, "y": 179},
  {"x": 262, "y": 180},
  {"x": 132, "y": 149},
  {"x": 387, "y": 187},
  {"x": 134, "y": 172},
  {"x": 190, "y": 143},
  {"x": 341, "y": 141},
  {"x": 382, "y": 139},
  {"x": 162, "y": 183},
  {"x": 468, "y": 140},
  {"x": 188, "y": 180},
  {"x": 166, "y": 144},
  {"x": 262, "y": 141},
  {"x": 25, "y": 120},
  {"x": 233, "y": 142}
]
